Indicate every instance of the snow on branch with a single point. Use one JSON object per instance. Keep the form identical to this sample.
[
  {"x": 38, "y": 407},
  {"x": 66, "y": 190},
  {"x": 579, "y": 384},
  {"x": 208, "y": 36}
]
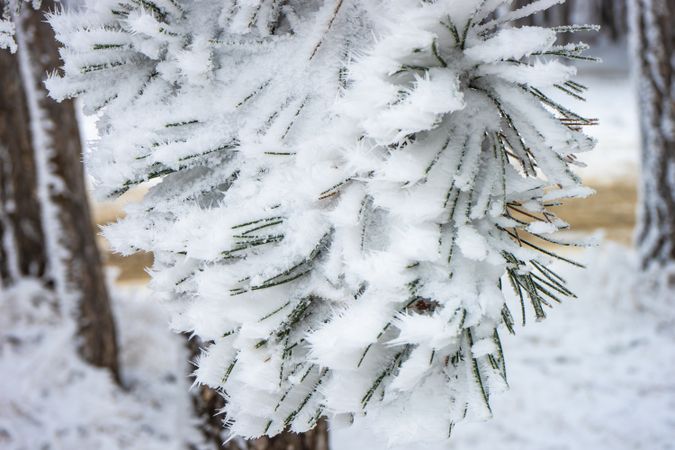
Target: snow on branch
[
  {"x": 347, "y": 188},
  {"x": 9, "y": 9}
]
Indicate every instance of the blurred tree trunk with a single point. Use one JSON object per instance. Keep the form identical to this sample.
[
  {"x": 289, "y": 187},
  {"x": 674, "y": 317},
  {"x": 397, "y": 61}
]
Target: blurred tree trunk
[
  {"x": 653, "y": 31},
  {"x": 45, "y": 222},
  {"x": 22, "y": 251},
  {"x": 208, "y": 403},
  {"x": 614, "y": 18},
  {"x": 556, "y": 15},
  {"x": 610, "y": 14}
]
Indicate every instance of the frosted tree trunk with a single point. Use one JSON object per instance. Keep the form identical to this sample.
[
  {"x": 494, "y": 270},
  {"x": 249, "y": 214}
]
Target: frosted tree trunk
[
  {"x": 22, "y": 251},
  {"x": 654, "y": 42},
  {"x": 45, "y": 222},
  {"x": 208, "y": 403}
]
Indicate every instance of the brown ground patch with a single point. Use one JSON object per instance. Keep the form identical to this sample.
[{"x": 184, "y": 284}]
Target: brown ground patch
[
  {"x": 131, "y": 268},
  {"x": 612, "y": 210}
]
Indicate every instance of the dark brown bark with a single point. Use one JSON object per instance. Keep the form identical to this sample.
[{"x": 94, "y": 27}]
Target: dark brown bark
[
  {"x": 78, "y": 269},
  {"x": 20, "y": 220},
  {"x": 614, "y": 18},
  {"x": 654, "y": 35},
  {"x": 208, "y": 403},
  {"x": 316, "y": 439}
]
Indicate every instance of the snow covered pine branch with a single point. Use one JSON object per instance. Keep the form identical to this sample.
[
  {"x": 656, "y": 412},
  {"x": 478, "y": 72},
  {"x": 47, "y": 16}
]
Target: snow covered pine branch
[{"x": 346, "y": 188}]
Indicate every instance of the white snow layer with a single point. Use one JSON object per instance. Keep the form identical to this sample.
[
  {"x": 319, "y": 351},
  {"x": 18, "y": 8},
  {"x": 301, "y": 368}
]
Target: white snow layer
[
  {"x": 49, "y": 398},
  {"x": 7, "y": 36}
]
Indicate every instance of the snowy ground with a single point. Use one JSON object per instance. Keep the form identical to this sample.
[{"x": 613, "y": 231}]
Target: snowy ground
[
  {"x": 611, "y": 100},
  {"x": 51, "y": 400},
  {"x": 598, "y": 374}
]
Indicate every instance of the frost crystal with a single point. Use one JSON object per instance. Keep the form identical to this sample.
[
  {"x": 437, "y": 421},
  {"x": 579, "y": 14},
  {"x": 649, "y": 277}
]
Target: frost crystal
[
  {"x": 9, "y": 10},
  {"x": 345, "y": 185}
]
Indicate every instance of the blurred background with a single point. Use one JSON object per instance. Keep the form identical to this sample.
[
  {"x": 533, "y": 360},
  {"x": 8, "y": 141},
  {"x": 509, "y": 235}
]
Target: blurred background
[{"x": 598, "y": 374}]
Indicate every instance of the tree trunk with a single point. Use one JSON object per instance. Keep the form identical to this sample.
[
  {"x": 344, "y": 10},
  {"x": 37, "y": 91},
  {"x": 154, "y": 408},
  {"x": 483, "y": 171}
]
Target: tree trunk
[
  {"x": 610, "y": 14},
  {"x": 22, "y": 251},
  {"x": 654, "y": 41},
  {"x": 45, "y": 223},
  {"x": 614, "y": 18},
  {"x": 554, "y": 16},
  {"x": 208, "y": 403}
]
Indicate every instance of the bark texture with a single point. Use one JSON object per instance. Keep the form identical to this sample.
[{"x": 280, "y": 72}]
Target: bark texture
[
  {"x": 35, "y": 129},
  {"x": 208, "y": 403},
  {"x": 653, "y": 23},
  {"x": 22, "y": 251}
]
